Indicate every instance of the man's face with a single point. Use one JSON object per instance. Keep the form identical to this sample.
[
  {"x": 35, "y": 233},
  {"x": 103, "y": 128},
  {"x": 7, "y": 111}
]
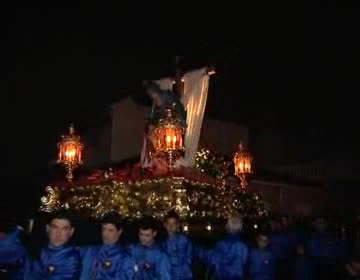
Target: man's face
[
  {"x": 110, "y": 234},
  {"x": 147, "y": 236},
  {"x": 320, "y": 226},
  {"x": 284, "y": 222},
  {"x": 262, "y": 241},
  {"x": 171, "y": 225},
  {"x": 300, "y": 250},
  {"x": 274, "y": 225},
  {"x": 59, "y": 232}
]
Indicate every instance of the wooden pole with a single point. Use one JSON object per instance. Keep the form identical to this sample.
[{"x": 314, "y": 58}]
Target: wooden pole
[
  {"x": 179, "y": 86},
  {"x": 179, "y": 81}
]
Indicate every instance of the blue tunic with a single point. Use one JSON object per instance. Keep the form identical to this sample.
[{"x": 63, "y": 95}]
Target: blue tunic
[
  {"x": 11, "y": 249},
  {"x": 61, "y": 263},
  {"x": 280, "y": 245},
  {"x": 179, "y": 250},
  {"x": 228, "y": 258},
  {"x": 261, "y": 265},
  {"x": 303, "y": 269},
  {"x": 107, "y": 262},
  {"x": 12, "y": 255},
  {"x": 325, "y": 245},
  {"x": 151, "y": 263}
]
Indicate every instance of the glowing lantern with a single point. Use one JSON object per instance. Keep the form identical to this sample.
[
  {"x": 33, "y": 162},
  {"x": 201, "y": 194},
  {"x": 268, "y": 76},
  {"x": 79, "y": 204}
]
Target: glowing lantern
[
  {"x": 169, "y": 134},
  {"x": 70, "y": 152},
  {"x": 242, "y": 164}
]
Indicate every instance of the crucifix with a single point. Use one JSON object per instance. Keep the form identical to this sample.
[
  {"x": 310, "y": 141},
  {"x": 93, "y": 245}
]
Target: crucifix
[{"x": 179, "y": 80}]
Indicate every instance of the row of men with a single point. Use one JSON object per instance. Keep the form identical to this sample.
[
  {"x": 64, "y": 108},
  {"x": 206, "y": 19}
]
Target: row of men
[{"x": 172, "y": 259}]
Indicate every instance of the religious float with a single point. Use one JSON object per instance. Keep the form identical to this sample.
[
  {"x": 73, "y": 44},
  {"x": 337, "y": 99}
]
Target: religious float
[{"x": 173, "y": 173}]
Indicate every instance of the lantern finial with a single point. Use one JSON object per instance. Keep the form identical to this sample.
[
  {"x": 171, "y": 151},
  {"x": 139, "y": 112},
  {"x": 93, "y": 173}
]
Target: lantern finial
[
  {"x": 242, "y": 164},
  {"x": 241, "y": 146},
  {"x": 71, "y": 129},
  {"x": 70, "y": 152},
  {"x": 169, "y": 133}
]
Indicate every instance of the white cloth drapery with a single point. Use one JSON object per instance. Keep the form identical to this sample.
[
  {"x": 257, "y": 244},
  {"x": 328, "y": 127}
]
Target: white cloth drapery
[{"x": 196, "y": 85}]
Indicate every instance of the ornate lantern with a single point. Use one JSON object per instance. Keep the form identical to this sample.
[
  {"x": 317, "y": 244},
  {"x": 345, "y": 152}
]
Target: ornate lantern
[
  {"x": 169, "y": 134},
  {"x": 70, "y": 152},
  {"x": 242, "y": 164}
]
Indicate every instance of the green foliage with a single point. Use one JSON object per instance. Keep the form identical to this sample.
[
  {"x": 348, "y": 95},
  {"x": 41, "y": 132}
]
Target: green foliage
[{"x": 213, "y": 164}]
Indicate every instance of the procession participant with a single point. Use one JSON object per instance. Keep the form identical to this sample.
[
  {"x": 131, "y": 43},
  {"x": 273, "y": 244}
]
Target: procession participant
[
  {"x": 109, "y": 260},
  {"x": 229, "y": 257},
  {"x": 58, "y": 260},
  {"x": 261, "y": 260},
  {"x": 12, "y": 254},
  {"x": 178, "y": 247},
  {"x": 151, "y": 262}
]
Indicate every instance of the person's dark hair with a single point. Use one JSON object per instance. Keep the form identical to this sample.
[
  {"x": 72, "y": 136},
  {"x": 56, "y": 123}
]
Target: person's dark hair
[
  {"x": 113, "y": 218},
  {"x": 172, "y": 215},
  {"x": 150, "y": 85},
  {"x": 263, "y": 232},
  {"x": 148, "y": 223},
  {"x": 61, "y": 214}
]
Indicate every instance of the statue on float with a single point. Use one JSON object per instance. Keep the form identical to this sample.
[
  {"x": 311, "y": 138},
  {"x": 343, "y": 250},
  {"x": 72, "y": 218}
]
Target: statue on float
[{"x": 161, "y": 100}]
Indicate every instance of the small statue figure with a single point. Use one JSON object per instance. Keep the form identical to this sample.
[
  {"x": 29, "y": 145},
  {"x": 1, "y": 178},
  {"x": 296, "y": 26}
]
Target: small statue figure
[{"x": 161, "y": 99}]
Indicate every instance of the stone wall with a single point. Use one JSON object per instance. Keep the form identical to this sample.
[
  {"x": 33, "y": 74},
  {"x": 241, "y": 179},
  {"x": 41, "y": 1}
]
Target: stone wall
[
  {"x": 128, "y": 121},
  {"x": 286, "y": 199}
]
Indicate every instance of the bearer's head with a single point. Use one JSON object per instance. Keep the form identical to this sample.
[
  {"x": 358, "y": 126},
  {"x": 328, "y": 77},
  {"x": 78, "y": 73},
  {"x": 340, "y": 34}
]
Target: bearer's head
[
  {"x": 262, "y": 239},
  {"x": 234, "y": 224},
  {"x": 171, "y": 222},
  {"x": 320, "y": 225},
  {"x": 111, "y": 228},
  {"x": 147, "y": 231},
  {"x": 59, "y": 228}
]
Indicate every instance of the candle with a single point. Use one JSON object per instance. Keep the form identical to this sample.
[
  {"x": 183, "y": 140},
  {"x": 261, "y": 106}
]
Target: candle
[
  {"x": 168, "y": 141},
  {"x": 174, "y": 141}
]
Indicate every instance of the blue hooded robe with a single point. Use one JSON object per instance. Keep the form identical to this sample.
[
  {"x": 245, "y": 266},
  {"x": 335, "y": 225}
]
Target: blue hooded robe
[
  {"x": 60, "y": 263},
  {"x": 151, "y": 263},
  {"x": 227, "y": 259},
  {"x": 12, "y": 255},
  {"x": 303, "y": 269},
  {"x": 107, "y": 262},
  {"x": 179, "y": 250},
  {"x": 261, "y": 265}
]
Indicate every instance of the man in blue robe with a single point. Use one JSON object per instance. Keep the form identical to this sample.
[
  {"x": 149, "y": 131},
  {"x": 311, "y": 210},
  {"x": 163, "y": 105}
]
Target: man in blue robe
[
  {"x": 110, "y": 260},
  {"x": 12, "y": 255},
  {"x": 229, "y": 257},
  {"x": 261, "y": 260},
  {"x": 59, "y": 260},
  {"x": 151, "y": 262},
  {"x": 302, "y": 266},
  {"x": 178, "y": 248},
  {"x": 280, "y": 246},
  {"x": 325, "y": 249}
]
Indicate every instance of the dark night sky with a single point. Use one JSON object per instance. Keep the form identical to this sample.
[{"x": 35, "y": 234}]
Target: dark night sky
[{"x": 280, "y": 68}]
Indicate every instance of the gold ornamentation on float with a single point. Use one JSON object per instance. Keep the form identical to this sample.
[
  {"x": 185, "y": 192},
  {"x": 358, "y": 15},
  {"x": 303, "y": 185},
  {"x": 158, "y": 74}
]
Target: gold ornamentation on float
[
  {"x": 192, "y": 200},
  {"x": 51, "y": 201}
]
